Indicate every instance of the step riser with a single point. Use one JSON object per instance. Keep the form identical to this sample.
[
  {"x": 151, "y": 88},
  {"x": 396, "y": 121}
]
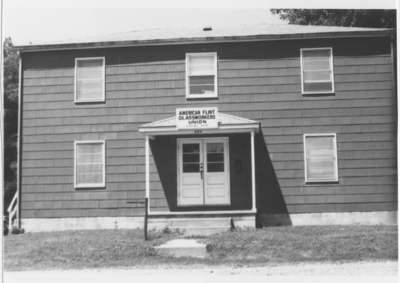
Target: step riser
[
  {"x": 202, "y": 226},
  {"x": 199, "y": 223},
  {"x": 191, "y": 222},
  {"x": 203, "y": 231}
]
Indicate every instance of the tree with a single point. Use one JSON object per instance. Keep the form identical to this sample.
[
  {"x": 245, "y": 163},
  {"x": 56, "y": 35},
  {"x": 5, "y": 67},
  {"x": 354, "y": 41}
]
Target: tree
[
  {"x": 11, "y": 82},
  {"x": 346, "y": 18}
]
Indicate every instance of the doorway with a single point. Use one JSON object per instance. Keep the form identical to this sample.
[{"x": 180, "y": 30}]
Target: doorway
[{"x": 203, "y": 171}]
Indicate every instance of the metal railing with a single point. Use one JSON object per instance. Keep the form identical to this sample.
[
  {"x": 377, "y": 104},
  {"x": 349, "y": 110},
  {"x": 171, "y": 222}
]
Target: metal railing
[
  {"x": 146, "y": 206},
  {"x": 12, "y": 212}
]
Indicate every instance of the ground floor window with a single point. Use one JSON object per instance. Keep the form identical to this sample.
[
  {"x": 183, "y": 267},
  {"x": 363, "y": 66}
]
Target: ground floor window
[
  {"x": 203, "y": 171},
  {"x": 320, "y": 157},
  {"x": 89, "y": 164}
]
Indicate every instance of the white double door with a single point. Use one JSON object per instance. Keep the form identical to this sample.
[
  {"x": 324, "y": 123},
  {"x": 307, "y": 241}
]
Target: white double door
[{"x": 203, "y": 171}]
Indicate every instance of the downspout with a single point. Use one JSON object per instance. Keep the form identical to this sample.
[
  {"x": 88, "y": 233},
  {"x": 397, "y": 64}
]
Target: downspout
[
  {"x": 394, "y": 88},
  {"x": 394, "y": 73},
  {"x": 19, "y": 153}
]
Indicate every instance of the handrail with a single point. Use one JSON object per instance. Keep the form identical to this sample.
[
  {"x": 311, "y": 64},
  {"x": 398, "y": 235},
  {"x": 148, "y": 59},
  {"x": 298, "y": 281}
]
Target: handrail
[
  {"x": 12, "y": 212},
  {"x": 146, "y": 208}
]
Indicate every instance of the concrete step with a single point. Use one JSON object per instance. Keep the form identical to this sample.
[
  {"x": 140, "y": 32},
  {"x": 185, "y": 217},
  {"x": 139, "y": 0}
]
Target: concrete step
[
  {"x": 203, "y": 231},
  {"x": 183, "y": 247},
  {"x": 202, "y": 225},
  {"x": 198, "y": 222}
]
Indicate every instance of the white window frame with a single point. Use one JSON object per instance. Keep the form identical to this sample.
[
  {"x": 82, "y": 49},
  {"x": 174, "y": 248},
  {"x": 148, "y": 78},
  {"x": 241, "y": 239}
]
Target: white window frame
[
  {"x": 96, "y": 185},
  {"x": 103, "y": 97},
  {"x": 336, "y": 179},
  {"x": 215, "y": 74},
  {"x": 302, "y": 71}
]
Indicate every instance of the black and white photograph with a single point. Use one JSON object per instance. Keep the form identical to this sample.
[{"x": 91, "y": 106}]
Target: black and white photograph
[{"x": 199, "y": 140}]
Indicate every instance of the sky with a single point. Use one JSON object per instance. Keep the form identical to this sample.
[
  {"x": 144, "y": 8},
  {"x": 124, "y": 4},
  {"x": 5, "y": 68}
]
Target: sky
[{"x": 40, "y": 21}]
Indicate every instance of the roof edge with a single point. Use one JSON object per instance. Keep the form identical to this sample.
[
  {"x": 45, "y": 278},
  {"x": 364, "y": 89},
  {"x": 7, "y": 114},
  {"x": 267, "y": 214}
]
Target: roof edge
[{"x": 198, "y": 40}]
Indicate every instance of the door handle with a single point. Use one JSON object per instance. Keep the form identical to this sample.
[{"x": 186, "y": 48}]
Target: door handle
[
  {"x": 201, "y": 174},
  {"x": 201, "y": 170}
]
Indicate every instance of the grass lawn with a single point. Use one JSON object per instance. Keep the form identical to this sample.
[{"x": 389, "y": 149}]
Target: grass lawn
[{"x": 251, "y": 247}]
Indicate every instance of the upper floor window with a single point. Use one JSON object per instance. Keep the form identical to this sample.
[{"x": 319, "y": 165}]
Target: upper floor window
[
  {"x": 201, "y": 75},
  {"x": 89, "y": 164},
  {"x": 320, "y": 156},
  {"x": 317, "y": 71},
  {"x": 89, "y": 79}
]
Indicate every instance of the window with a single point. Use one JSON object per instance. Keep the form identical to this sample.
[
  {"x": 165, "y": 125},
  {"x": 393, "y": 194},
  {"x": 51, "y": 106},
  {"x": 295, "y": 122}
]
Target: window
[
  {"x": 90, "y": 164},
  {"x": 320, "y": 158},
  {"x": 201, "y": 75},
  {"x": 89, "y": 80},
  {"x": 317, "y": 71}
]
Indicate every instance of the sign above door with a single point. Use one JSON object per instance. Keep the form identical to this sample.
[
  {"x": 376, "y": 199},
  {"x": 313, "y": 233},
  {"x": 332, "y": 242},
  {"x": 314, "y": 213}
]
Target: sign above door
[{"x": 195, "y": 118}]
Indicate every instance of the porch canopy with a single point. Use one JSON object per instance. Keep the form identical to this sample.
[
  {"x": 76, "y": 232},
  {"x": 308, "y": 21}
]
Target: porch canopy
[{"x": 226, "y": 124}]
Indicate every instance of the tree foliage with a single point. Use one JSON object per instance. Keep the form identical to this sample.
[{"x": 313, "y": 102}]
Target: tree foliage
[
  {"x": 11, "y": 81},
  {"x": 346, "y": 18}
]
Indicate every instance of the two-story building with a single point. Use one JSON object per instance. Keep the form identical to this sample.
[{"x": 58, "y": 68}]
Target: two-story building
[{"x": 256, "y": 124}]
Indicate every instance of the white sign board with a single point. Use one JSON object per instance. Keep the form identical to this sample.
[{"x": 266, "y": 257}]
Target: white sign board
[{"x": 195, "y": 118}]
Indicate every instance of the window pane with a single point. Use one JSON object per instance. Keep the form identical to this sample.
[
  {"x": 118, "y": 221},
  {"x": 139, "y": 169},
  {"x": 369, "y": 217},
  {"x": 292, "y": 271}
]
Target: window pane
[
  {"x": 90, "y": 89},
  {"x": 320, "y": 146},
  {"x": 90, "y": 69},
  {"x": 90, "y": 168},
  {"x": 201, "y": 85},
  {"x": 206, "y": 89},
  {"x": 201, "y": 65},
  {"x": 203, "y": 80},
  {"x": 87, "y": 158},
  {"x": 191, "y": 148},
  {"x": 318, "y": 53},
  {"x": 90, "y": 179},
  {"x": 191, "y": 168},
  {"x": 321, "y": 169},
  {"x": 215, "y": 147},
  {"x": 191, "y": 157},
  {"x": 215, "y": 167},
  {"x": 90, "y": 148},
  {"x": 213, "y": 157},
  {"x": 319, "y": 152},
  {"x": 316, "y": 64},
  {"x": 310, "y": 76},
  {"x": 319, "y": 141},
  {"x": 201, "y": 60}
]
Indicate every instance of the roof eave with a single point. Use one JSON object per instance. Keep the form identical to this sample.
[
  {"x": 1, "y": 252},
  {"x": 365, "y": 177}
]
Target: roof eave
[
  {"x": 168, "y": 130},
  {"x": 197, "y": 40}
]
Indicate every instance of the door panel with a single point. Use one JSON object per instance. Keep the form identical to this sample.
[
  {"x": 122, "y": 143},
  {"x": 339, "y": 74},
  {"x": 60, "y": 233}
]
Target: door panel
[
  {"x": 215, "y": 179},
  {"x": 191, "y": 193},
  {"x": 216, "y": 192},
  {"x": 190, "y": 181},
  {"x": 216, "y": 175}
]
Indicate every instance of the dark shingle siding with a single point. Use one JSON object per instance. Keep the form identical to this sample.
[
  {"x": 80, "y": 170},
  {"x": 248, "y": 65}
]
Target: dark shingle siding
[{"x": 265, "y": 89}]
